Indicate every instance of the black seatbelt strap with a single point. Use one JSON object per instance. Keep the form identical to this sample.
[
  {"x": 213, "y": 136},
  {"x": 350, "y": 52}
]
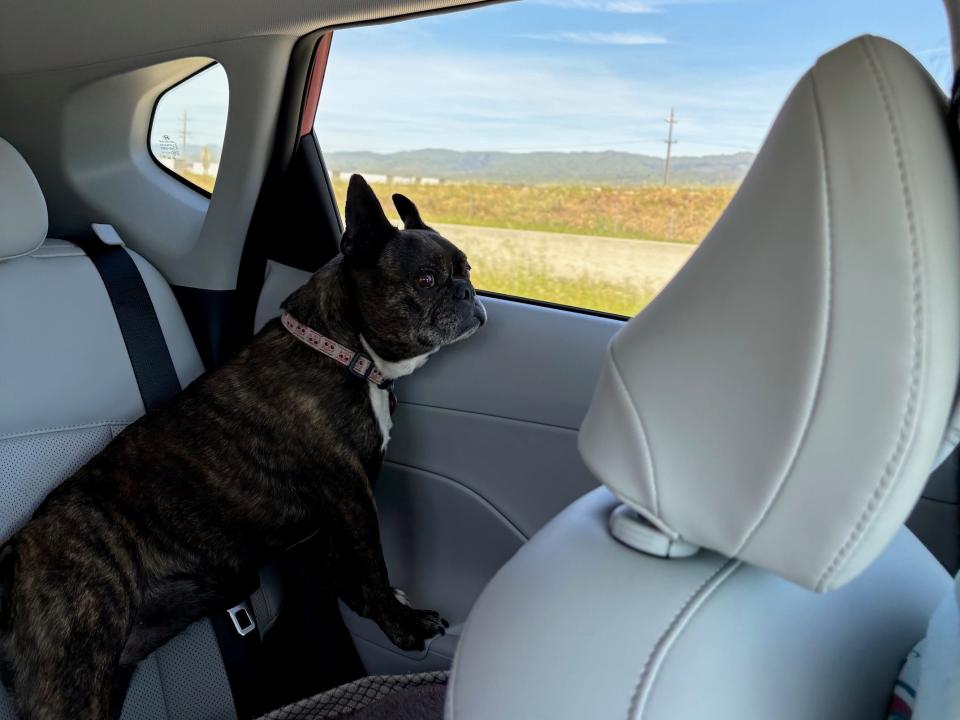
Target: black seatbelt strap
[
  {"x": 153, "y": 367},
  {"x": 137, "y": 318}
]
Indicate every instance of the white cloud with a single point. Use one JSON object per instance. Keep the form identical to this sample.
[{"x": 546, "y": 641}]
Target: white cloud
[
  {"x": 626, "y": 7},
  {"x": 529, "y": 102},
  {"x": 598, "y": 38},
  {"x": 933, "y": 51}
]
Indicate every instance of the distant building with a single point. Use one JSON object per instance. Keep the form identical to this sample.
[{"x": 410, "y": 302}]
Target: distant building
[
  {"x": 197, "y": 168},
  {"x": 381, "y": 178},
  {"x": 372, "y": 178}
]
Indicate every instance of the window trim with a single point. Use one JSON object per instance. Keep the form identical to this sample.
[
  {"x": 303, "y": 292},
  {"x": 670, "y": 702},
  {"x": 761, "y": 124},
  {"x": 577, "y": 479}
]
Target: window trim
[
  {"x": 153, "y": 112},
  {"x": 552, "y": 305},
  {"x": 318, "y": 70}
]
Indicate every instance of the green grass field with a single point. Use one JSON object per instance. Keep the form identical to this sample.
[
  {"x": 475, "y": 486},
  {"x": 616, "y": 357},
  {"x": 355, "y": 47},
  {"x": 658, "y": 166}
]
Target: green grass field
[
  {"x": 675, "y": 214},
  {"x": 682, "y": 214},
  {"x": 648, "y": 212},
  {"x": 522, "y": 273}
]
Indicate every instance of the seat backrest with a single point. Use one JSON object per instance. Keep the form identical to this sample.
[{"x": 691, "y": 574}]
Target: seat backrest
[
  {"x": 785, "y": 398},
  {"x": 66, "y": 389},
  {"x": 763, "y": 428}
]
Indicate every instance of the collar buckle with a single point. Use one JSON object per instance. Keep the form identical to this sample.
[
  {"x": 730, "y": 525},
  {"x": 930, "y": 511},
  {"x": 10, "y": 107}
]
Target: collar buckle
[{"x": 361, "y": 364}]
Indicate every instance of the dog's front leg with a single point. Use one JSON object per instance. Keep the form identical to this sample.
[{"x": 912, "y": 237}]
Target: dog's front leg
[{"x": 361, "y": 578}]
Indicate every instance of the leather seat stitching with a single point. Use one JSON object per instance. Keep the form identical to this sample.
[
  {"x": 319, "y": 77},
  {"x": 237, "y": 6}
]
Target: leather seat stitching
[
  {"x": 675, "y": 627},
  {"x": 907, "y": 422},
  {"x": 827, "y": 326},
  {"x": 64, "y": 428}
]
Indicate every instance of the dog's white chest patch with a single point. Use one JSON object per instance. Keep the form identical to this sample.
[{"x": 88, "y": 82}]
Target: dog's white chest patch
[{"x": 380, "y": 401}]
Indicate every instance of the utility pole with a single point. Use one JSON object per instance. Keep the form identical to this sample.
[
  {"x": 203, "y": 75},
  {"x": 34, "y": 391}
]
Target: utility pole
[
  {"x": 670, "y": 143},
  {"x": 183, "y": 136}
]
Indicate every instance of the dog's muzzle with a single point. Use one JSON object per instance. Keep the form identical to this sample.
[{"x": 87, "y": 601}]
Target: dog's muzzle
[{"x": 479, "y": 312}]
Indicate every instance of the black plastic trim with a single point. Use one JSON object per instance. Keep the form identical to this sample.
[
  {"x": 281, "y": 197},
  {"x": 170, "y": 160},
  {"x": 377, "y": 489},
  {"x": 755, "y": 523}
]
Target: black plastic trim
[
  {"x": 212, "y": 316},
  {"x": 553, "y": 305}
]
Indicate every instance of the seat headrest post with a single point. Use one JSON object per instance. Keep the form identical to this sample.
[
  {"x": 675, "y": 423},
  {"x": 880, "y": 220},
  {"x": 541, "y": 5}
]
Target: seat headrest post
[{"x": 782, "y": 401}]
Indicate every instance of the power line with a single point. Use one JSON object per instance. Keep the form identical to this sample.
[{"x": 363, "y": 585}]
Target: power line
[
  {"x": 184, "y": 133},
  {"x": 670, "y": 143}
]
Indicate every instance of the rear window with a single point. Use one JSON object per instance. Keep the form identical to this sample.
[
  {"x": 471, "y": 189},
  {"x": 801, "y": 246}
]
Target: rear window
[{"x": 189, "y": 125}]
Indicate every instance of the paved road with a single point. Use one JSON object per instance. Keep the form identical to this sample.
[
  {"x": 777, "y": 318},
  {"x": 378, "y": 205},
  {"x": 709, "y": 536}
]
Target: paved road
[{"x": 567, "y": 255}]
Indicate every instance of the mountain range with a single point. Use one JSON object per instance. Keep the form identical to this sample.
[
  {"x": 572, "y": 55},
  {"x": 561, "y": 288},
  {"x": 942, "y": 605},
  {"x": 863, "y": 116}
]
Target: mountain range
[{"x": 566, "y": 168}]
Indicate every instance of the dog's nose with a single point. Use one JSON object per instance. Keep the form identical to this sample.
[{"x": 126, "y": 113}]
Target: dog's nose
[{"x": 463, "y": 290}]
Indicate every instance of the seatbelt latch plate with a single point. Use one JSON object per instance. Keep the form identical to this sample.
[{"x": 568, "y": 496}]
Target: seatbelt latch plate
[{"x": 242, "y": 619}]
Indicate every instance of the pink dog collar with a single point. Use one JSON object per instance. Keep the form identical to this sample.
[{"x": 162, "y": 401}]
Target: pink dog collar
[{"x": 360, "y": 364}]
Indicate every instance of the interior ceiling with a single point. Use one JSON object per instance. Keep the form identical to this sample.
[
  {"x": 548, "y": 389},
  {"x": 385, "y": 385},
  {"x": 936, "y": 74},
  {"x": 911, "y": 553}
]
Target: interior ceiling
[{"x": 43, "y": 35}]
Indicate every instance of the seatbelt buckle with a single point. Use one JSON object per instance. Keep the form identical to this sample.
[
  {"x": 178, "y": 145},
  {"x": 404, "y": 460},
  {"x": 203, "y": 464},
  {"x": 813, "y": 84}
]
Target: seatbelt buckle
[{"x": 242, "y": 619}]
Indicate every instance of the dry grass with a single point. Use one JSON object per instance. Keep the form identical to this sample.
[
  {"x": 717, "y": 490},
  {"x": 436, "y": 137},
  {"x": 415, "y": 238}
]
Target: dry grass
[
  {"x": 524, "y": 273},
  {"x": 204, "y": 181},
  {"x": 648, "y": 212},
  {"x": 677, "y": 214}
]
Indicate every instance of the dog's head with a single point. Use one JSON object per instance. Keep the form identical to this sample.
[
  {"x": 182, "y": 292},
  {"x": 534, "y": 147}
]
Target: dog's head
[{"x": 411, "y": 286}]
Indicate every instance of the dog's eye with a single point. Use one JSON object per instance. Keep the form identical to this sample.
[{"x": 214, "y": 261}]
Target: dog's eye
[{"x": 426, "y": 280}]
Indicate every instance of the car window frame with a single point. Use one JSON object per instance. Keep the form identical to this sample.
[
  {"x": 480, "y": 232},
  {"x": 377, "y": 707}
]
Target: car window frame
[{"x": 153, "y": 112}]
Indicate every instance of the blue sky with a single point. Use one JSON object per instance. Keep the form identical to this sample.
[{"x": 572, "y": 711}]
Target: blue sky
[
  {"x": 205, "y": 99},
  {"x": 596, "y": 74},
  {"x": 577, "y": 74}
]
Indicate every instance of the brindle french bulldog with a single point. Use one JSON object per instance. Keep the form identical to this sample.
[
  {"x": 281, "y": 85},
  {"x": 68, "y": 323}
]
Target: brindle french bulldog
[{"x": 280, "y": 443}]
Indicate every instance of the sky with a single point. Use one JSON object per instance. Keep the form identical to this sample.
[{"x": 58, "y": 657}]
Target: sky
[
  {"x": 573, "y": 75},
  {"x": 597, "y": 74},
  {"x": 205, "y": 98}
]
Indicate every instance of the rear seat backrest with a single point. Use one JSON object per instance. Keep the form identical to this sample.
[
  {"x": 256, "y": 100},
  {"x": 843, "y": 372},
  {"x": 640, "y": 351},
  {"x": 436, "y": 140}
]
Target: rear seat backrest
[
  {"x": 65, "y": 376},
  {"x": 66, "y": 389}
]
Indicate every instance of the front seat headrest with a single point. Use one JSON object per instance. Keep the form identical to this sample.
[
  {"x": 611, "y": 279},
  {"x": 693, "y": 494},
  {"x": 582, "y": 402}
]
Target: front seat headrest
[
  {"x": 783, "y": 399},
  {"x": 23, "y": 211}
]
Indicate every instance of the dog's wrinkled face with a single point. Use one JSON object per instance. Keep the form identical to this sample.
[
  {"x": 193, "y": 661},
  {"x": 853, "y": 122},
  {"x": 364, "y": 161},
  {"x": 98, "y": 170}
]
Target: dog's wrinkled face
[{"x": 411, "y": 285}]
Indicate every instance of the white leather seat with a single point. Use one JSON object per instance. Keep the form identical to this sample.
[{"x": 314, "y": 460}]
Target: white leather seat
[
  {"x": 779, "y": 406},
  {"x": 66, "y": 389}
]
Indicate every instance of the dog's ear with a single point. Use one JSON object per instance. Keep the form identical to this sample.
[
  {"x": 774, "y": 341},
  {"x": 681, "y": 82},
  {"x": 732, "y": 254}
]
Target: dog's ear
[
  {"x": 367, "y": 227},
  {"x": 409, "y": 213}
]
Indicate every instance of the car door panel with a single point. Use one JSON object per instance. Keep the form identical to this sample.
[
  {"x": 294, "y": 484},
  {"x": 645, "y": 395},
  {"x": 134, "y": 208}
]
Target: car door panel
[{"x": 482, "y": 454}]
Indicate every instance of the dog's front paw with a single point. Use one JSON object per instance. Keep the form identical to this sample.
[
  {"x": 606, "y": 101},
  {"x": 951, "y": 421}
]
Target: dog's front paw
[{"x": 409, "y": 628}]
